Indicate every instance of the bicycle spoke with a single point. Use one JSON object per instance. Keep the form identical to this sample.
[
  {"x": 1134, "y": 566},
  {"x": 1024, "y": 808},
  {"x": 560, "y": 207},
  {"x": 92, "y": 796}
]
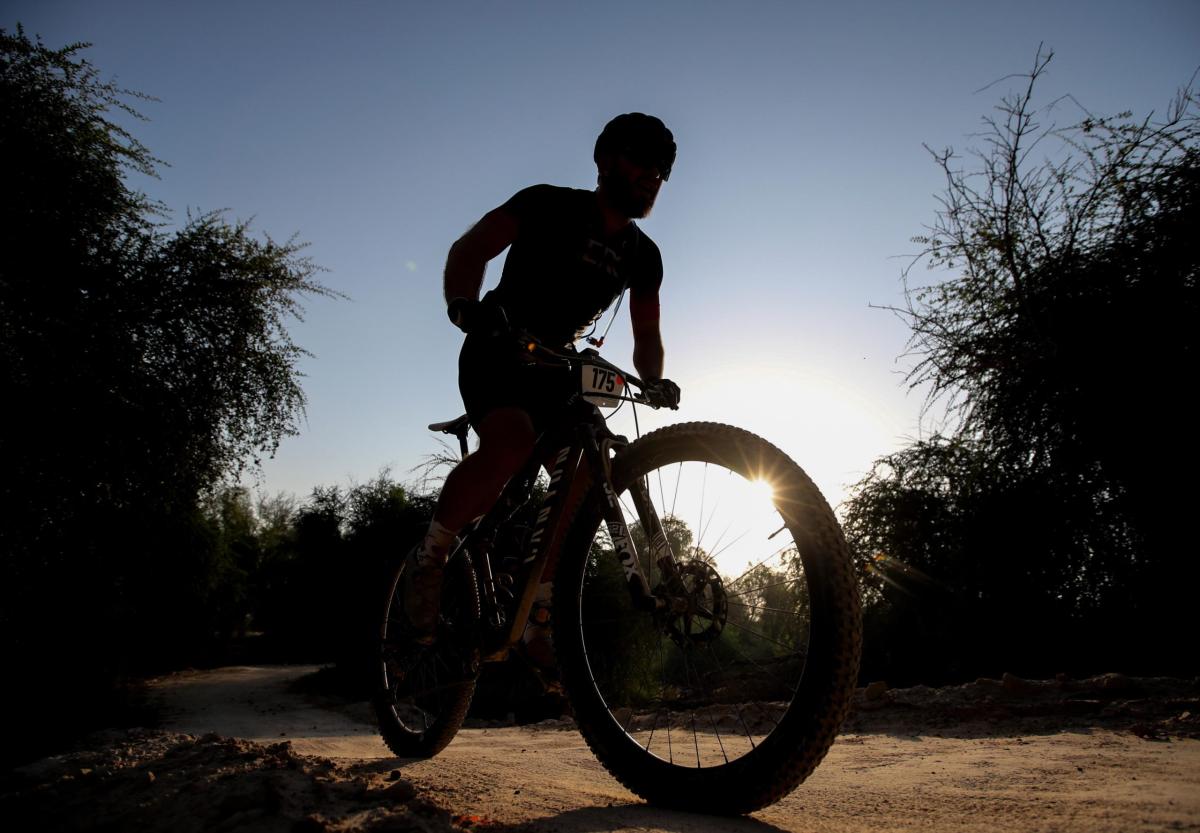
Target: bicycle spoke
[
  {"x": 764, "y": 587},
  {"x": 746, "y": 729},
  {"x": 699, "y": 533},
  {"x": 717, "y": 735},
  {"x": 761, "y": 636},
  {"x": 771, "y": 609},
  {"x": 650, "y": 740},
  {"x": 675, "y": 497},
  {"x": 744, "y": 575},
  {"x": 762, "y": 709},
  {"x": 715, "y": 555},
  {"x": 721, "y": 537},
  {"x": 764, "y": 671},
  {"x": 661, "y": 494},
  {"x": 629, "y": 513},
  {"x": 662, "y": 688},
  {"x": 704, "y": 525},
  {"x": 670, "y": 748},
  {"x": 695, "y": 739},
  {"x": 740, "y": 716},
  {"x": 711, "y": 701}
]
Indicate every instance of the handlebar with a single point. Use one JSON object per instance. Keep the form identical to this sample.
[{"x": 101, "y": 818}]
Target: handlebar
[{"x": 549, "y": 355}]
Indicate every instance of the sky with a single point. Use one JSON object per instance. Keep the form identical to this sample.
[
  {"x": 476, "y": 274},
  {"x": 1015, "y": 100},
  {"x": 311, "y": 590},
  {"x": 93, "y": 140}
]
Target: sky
[{"x": 378, "y": 132}]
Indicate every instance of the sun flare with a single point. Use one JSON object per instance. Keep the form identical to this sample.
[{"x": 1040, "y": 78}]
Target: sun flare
[
  {"x": 730, "y": 519},
  {"x": 763, "y": 491}
]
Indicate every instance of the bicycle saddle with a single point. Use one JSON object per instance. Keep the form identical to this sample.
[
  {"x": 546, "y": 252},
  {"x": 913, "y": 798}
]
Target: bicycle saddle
[{"x": 454, "y": 426}]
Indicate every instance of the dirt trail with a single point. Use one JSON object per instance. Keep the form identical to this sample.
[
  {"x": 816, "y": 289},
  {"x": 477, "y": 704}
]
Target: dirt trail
[{"x": 890, "y": 774}]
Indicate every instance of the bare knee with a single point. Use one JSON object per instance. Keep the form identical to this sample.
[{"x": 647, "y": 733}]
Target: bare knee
[{"x": 506, "y": 438}]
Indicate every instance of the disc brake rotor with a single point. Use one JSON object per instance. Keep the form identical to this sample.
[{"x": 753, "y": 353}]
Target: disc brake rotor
[{"x": 698, "y": 606}]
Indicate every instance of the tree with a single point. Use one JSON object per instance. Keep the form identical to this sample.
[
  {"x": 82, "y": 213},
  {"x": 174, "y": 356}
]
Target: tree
[
  {"x": 1060, "y": 345},
  {"x": 1073, "y": 270},
  {"x": 141, "y": 368}
]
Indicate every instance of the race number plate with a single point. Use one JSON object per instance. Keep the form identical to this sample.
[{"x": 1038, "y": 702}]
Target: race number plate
[{"x": 601, "y": 385}]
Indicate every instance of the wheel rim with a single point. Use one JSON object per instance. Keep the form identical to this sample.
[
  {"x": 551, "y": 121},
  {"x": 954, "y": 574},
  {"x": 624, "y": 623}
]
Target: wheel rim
[{"x": 708, "y": 682}]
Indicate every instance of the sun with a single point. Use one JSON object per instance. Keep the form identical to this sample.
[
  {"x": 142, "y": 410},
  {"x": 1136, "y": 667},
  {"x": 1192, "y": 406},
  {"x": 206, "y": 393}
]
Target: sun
[
  {"x": 731, "y": 518},
  {"x": 747, "y": 507},
  {"x": 762, "y": 491}
]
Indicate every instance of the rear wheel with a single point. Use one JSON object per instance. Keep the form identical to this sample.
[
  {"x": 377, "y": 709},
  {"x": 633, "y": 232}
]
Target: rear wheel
[
  {"x": 729, "y": 697},
  {"x": 424, "y": 691}
]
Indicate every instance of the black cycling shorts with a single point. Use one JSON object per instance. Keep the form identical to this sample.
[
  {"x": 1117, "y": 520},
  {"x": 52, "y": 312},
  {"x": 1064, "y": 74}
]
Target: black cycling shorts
[{"x": 493, "y": 374}]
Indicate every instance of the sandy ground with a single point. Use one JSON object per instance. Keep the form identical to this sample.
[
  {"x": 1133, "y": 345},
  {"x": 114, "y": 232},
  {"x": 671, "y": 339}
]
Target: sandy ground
[{"x": 240, "y": 750}]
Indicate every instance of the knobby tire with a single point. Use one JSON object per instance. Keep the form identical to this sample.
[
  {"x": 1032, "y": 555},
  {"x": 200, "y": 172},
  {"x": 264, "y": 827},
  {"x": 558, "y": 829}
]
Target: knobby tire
[{"x": 822, "y": 696}]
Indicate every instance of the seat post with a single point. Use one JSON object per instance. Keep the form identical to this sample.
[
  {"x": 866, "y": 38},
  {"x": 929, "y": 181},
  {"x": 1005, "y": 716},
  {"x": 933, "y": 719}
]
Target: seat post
[{"x": 458, "y": 427}]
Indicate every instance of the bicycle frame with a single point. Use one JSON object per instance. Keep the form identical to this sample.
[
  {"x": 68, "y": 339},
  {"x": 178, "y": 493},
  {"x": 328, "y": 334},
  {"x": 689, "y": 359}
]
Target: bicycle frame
[{"x": 582, "y": 448}]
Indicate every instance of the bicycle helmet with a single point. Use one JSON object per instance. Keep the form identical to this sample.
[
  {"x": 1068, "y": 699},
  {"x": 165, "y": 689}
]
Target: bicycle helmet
[{"x": 643, "y": 139}]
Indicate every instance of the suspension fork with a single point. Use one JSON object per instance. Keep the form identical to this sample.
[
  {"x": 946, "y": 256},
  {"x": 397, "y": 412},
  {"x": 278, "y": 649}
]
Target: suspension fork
[{"x": 643, "y": 598}]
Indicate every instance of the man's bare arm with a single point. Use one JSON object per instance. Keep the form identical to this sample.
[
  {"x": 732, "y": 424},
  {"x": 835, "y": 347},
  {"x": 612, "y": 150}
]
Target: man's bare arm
[
  {"x": 468, "y": 258},
  {"x": 647, "y": 339}
]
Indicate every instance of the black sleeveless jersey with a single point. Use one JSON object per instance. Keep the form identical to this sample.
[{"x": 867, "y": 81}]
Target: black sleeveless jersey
[{"x": 562, "y": 272}]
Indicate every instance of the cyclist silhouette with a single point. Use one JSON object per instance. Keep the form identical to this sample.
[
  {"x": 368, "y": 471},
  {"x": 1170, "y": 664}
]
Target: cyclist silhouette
[{"x": 573, "y": 253}]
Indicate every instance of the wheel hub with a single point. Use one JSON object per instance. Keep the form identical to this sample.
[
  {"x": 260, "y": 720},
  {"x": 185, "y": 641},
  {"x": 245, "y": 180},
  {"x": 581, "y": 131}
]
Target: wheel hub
[{"x": 697, "y": 607}]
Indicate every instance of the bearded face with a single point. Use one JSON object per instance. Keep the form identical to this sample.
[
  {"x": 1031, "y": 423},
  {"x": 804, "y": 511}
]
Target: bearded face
[{"x": 631, "y": 188}]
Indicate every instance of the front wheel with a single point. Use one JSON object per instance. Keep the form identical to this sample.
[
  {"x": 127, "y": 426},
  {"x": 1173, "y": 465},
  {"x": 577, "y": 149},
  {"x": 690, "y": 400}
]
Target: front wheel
[{"x": 730, "y": 695}]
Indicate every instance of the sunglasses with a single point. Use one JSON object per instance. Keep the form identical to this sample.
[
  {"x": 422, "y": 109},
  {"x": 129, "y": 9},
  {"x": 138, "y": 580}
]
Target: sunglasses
[{"x": 658, "y": 158}]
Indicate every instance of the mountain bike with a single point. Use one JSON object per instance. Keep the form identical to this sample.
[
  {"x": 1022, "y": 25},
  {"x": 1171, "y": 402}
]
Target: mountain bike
[{"x": 705, "y": 613}]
